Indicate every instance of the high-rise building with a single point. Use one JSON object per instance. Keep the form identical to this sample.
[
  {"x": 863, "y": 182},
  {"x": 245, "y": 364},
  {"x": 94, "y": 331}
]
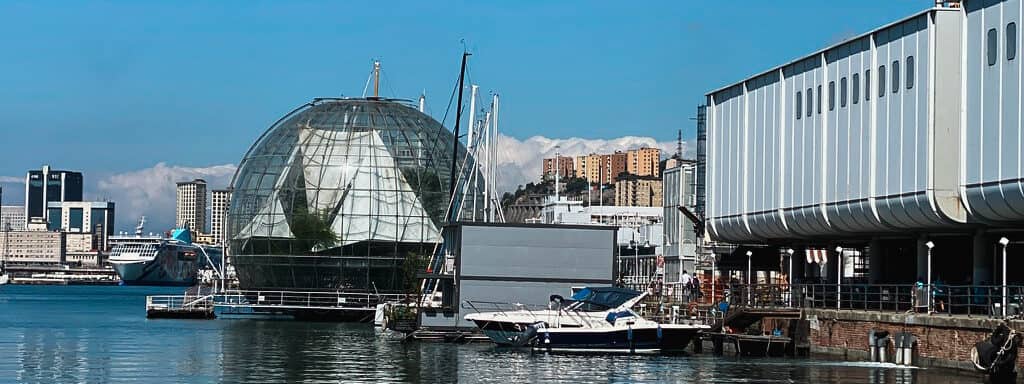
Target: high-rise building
[
  {"x": 190, "y": 210},
  {"x": 13, "y": 215},
  {"x": 614, "y": 164},
  {"x": 94, "y": 218},
  {"x": 638, "y": 192},
  {"x": 564, "y": 164},
  {"x": 46, "y": 185},
  {"x": 589, "y": 167},
  {"x": 644, "y": 162},
  {"x": 220, "y": 201}
]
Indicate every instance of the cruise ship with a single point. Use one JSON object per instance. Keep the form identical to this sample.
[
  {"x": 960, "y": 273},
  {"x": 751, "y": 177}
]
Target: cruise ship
[{"x": 158, "y": 260}]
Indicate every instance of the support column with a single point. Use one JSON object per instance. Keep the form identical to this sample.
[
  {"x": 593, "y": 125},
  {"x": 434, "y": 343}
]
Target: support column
[
  {"x": 875, "y": 267},
  {"x": 832, "y": 266},
  {"x": 922, "y": 258},
  {"x": 982, "y": 252}
]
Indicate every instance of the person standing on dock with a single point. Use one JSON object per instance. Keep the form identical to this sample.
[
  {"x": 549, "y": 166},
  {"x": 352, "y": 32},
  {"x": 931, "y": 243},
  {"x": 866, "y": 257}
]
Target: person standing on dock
[{"x": 687, "y": 286}]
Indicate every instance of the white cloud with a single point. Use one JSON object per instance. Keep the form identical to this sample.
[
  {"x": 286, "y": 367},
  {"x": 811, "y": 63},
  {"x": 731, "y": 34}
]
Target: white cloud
[
  {"x": 12, "y": 179},
  {"x": 151, "y": 192},
  {"x": 519, "y": 161}
]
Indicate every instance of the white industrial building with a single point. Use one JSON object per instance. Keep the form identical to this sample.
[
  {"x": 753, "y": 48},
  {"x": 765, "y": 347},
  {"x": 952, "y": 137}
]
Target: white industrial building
[
  {"x": 680, "y": 238},
  {"x": 911, "y": 131}
]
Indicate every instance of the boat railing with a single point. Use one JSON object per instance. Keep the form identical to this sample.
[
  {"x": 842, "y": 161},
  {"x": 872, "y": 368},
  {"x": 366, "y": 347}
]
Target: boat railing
[
  {"x": 550, "y": 315},
  {"x": 503, "y": 308}
]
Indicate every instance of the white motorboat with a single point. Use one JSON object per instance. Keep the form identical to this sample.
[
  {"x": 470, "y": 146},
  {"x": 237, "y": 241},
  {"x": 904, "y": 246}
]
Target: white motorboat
[{"x": 596, "y": 319}]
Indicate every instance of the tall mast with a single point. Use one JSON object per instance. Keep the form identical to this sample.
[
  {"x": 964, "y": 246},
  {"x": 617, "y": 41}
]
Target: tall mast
[
  {"x": 472, "y": 117},
  {"x": 471, "y": 146},
  {"x": 494, "y": 154},
  {"x": 487, "y": 165},
  {"x": 455, "y": 142},
  {"x": 376, "y": 78}
]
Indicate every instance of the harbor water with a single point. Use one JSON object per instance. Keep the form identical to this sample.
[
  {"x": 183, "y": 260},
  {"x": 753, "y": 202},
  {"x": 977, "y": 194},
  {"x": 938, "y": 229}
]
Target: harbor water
[{"x": 99, "y": 334}]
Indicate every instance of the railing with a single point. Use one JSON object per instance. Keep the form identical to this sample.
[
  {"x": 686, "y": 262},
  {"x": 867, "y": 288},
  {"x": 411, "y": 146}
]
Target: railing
[
  {"x": 306, "y": 300},
  {"x": 985, "y": 300},
  {"x": 179, "y": 302},
  {"x": 971, "y": 300}
]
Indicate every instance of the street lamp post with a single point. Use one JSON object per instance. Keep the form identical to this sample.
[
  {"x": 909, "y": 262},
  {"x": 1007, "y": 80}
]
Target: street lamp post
[
  {"x": 839, "y": 277},
  {"x": 750, "y": 254},
  {"x": 930, "y": 245},
  {"x": 646, "y": 246},
  {"x": 1004, "y": 242},
  {"x": 790, "y": 253},
  {"x": 636, "y": 259}
]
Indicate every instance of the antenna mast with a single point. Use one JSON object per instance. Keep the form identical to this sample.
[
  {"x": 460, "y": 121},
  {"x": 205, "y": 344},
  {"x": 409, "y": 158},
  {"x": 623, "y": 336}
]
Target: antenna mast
[{"x": 679, "y": 144}]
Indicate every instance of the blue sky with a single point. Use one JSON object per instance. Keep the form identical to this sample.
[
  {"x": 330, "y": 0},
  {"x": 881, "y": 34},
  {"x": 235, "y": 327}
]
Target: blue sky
[{"x": 114, "y": 87}]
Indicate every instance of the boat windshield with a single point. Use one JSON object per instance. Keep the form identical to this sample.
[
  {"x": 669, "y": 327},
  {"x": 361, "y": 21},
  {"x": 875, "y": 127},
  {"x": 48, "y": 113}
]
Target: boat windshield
[{"x": 602, "y": 298}]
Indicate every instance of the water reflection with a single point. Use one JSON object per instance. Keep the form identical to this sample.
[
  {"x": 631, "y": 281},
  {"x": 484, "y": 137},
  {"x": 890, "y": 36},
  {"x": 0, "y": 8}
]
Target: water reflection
[{"x": 100, "y": 335}]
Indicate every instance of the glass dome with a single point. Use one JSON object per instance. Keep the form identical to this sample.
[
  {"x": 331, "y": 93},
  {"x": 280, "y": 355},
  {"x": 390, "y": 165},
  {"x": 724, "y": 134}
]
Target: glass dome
[{"x": 338, "y": 194}]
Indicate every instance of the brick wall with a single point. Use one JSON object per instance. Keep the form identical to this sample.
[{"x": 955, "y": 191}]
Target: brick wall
[{"x": 942, "y": 340}]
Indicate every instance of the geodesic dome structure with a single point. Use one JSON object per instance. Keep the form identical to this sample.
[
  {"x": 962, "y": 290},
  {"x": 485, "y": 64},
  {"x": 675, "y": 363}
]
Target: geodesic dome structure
[{"x": 339, "y": 194}]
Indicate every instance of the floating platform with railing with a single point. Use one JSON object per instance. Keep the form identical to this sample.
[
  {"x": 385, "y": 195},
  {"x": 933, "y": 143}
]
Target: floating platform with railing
[
  {"x": 348, "y": 306},
  {"x": 180, "y": 307}
]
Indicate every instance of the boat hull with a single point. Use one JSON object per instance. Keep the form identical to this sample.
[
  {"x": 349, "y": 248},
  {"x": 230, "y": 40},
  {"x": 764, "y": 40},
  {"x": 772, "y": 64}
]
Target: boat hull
[
  {"x": 616, "y": 339},
  {"x": 157, "y": 272},
  {"x": 509, "y": 334}
]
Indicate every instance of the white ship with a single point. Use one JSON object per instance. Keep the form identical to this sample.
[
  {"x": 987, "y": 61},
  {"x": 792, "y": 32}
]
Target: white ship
[{"x": 158, "y": 260}]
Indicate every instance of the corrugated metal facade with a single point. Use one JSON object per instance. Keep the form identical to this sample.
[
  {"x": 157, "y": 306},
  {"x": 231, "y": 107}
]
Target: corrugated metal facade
[
  {"x": 907, "y": 127},
  {"x": 992, "y": 141}
]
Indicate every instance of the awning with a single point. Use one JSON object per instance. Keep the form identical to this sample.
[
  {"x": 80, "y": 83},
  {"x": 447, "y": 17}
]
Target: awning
[{"x": 819, "y": 256}]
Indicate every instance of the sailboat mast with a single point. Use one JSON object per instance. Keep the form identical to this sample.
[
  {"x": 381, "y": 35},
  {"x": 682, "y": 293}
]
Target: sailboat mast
[
  {"x": 494, "y": 154},
  {"x": 455, "y": 141},
  {"x": 487, "y": 166},
  {"x": 471, "y": 147}
]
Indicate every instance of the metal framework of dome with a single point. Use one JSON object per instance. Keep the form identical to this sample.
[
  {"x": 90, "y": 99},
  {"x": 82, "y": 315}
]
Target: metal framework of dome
[{"x": 339, "y": 194}]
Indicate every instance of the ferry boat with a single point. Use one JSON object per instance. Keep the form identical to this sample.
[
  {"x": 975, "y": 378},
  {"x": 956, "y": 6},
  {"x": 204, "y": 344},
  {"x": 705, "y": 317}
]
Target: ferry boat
[
  {"x": 597, "y": 319},
  {"x": 156, "y": 260}
]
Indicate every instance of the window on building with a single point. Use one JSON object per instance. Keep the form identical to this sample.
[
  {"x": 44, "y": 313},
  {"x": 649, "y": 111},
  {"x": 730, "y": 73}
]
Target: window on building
[
  {"x": 895, "y": 76},
  {"x": 842, "y": 92},
  {"x": 810, "y": 101},
  {"x": 819, "y": 99},
  {"x": 799, "y": 104},
  {"x": 867, "y": 84},
  {"x": 1011, "y": 41},
  {"x": 881, "y": 81},
  {"x": 831, "y": 95},
  {"x": 990, "y": 46},
  {"x": 910, "y": 72},
  {"x": 856, "y": 88}
]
